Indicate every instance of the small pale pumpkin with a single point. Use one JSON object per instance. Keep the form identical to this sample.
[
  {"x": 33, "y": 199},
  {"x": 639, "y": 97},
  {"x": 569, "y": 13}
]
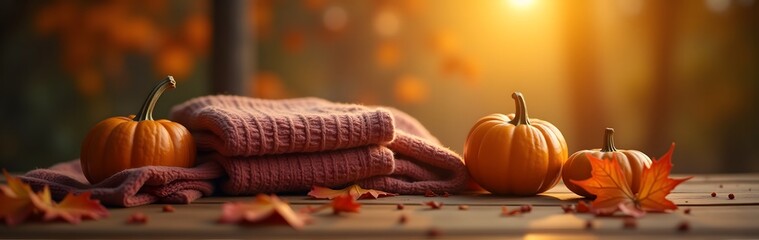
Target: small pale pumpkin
[
  {"x": 515, "y": 155},
  {"x": 578, "y": 167},
  {"x": 120, "y": 143}
]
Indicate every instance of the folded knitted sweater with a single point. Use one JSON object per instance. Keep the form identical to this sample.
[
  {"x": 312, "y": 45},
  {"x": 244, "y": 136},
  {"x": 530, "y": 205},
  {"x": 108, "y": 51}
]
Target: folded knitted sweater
[{"x": 291, "y": 145}]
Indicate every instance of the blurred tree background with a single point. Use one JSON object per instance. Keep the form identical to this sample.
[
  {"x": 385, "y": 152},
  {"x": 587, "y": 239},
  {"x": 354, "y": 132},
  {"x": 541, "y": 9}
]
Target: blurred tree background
[{"x": 657, "y": 71}]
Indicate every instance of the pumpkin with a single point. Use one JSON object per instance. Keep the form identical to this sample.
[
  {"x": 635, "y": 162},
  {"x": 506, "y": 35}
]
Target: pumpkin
[
  {"x": 578, "y": 167},
  {"x": 120, "y": 143},
  {"x": 514, "y": 154}
]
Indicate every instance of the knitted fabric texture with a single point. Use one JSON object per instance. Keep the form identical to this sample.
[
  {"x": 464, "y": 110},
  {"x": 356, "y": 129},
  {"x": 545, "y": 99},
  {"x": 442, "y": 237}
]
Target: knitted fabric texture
[
  {"x": 131, "y": 187},
  {"x": 291, "y": 145}
]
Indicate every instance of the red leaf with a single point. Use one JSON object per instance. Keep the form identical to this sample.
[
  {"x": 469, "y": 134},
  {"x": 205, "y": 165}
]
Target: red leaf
[
  {"x": 430, "y": 193},
  {"x": 137, "y": 218},
  {"x": 434, "y": 204},
  {"x": 613, "y": 192},
  {"x": 168, "y": 208},
  {"x": 608, "y": 183},
  {"x": 18, "y": 202},
  {"x": 15, "y": 200},
  {"x": 265, "y": 209},
  {"x": 345, "y": 203},
  {"x": 73, "y": 208},
  {"x": 356, "y": 191}
]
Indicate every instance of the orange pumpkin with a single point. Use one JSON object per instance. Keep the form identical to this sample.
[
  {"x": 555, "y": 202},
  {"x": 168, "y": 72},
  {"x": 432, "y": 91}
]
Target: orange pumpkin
[
  {"x": 578, "y": 167},
  {"x": 120, "y": 143},
  {"x": 515, "y": 155}
]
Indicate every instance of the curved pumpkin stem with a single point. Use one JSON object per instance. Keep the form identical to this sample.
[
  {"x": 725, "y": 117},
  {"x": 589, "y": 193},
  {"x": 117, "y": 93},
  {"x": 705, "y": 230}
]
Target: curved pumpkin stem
[
  {"x": 146, "y": 111},
  {"x": 520, "y": 117},
  {"x": 609, "y": 141}
]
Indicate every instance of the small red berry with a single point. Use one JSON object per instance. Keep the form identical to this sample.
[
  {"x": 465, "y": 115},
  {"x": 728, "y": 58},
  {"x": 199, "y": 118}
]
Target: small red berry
[
  {"x": 684, "y": 226},
  {"x": 399, "y": 206},
  {"x": 686, "y": 211},
  {"x": 714, "y": 194},
  {"x": 731, "y": 196},
  {"x": 463, "y": 207},
  {"x": 168, "y": 208}
]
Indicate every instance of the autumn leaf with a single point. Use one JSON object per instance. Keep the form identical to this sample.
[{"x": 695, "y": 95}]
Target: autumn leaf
[
  {"x": 613, "y": 192},
  {"x": 345, "y": 203},
  {"x": 73, "y": 208},
  {"x": 15, "y": 200},
  {"x": 265, "y": 209},
  {"x": 18, "y": 202},
  {"x": 356, "y": 191}
]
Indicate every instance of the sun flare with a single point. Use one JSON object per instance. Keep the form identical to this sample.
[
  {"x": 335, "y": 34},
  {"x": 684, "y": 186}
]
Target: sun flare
[{"x": 521, "y": 4}]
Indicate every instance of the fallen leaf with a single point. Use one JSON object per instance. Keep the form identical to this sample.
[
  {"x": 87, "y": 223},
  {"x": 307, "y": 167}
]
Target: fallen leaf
[
  {"x": 73, "y": 208},
  {"x": 18, "y": 202},
  {"x": 265, "y": 209},
  {"x": 430, "y": 193},
  {"x": 168, "y": 208},
  {"x": 137, "y": 218},
  {"x": 356, "y": 191},
  {"x": 613, "y": 192},
  {"x": 15, "y": 200},
  {"x": 345, "y": 203},
  {"x": 506, "y": 213},
  {"x": 525, "y": 208},
  {"x": 434, "y": 204}
]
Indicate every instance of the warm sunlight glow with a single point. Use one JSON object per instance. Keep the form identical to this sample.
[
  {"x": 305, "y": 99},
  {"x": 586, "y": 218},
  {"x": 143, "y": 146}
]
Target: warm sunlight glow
[{"x": 521, "y": 4}]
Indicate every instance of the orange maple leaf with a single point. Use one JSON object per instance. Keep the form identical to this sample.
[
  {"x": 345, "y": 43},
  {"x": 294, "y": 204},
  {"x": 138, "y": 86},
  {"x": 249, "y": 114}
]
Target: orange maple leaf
[
  {"x": 15, "y": 200},
  {"x": 613, "y": 192},
  {"x": 355, "y": 191},
  {"x": 345, "y": 203},
  {"x": 18, "y": 202},
  {"x": 265, "y": 209},
  {"x": 72, "y": 208}
]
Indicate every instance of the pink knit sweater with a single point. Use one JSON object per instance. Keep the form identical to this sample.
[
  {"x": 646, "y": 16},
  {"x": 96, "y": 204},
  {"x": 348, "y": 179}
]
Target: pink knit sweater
[{"x": 290, "y": 145}]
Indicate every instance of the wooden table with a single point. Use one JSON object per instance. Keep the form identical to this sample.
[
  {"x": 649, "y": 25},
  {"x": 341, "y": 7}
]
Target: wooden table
[{"x": 710, "y": 218}]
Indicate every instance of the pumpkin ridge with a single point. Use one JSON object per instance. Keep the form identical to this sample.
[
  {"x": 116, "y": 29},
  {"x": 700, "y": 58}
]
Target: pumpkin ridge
[
  {"x": 481, "y": 160},
  {"x": 554, "y": 162}
]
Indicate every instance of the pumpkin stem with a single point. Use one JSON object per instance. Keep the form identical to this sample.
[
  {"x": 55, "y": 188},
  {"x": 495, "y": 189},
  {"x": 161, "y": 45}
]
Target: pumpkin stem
[
  {"x": 609, "y": 141},
  {"x": 521, "y": 115},
  {"x": 146, "y": 111}
]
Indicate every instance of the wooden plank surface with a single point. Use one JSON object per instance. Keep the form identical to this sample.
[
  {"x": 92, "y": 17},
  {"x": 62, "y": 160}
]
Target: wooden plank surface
[{"x": 710, "y": 217}]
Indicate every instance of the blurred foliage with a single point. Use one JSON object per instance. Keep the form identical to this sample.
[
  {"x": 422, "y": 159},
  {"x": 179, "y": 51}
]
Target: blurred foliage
[{"x": 67, "y": 64}]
